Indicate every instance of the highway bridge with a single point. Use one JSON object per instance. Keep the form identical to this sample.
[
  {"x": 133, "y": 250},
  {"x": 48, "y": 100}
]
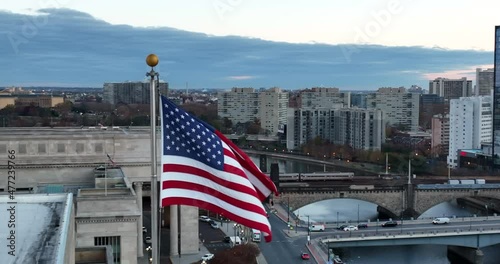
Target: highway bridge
[{"x": 465, "y": 236}]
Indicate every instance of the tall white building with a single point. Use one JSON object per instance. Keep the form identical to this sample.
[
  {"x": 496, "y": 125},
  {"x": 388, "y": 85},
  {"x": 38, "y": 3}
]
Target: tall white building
[
  {"x": 471, "y": 123},
  {"x": 399, "y": 107},
  {"x": 451, "y": 88},
  {"x": 242, "y": 105},
  {"x": 324, "y": 98},
  {"x": 359, "y": 128},
  {"x": 484, "y": 81},
  {"x": 273, "y": 105}
]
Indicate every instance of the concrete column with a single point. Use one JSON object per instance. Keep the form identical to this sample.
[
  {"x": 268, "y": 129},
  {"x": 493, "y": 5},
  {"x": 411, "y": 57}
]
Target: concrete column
[
  {"x": 174, "y": 232},
  {"x": 138, "y": 193},
  {"x": 479, "y": 255}
]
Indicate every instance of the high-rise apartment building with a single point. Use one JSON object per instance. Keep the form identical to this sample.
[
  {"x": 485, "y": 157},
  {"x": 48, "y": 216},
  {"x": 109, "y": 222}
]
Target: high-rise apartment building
[
  {"x": 470, "y": 125},
  {"x": 358, "y": 100},
  {"x": 440, "y": 139},
  {"x": 400, "y": 108},
  {"x": 242, "y": 105},
  {"x": 431, "y": 105},
  {"x": 359, "y": 128},
  {"x": 273, "y": 105},
  {"x": 496, "y": 102},
  {"x": 484, "y": 81},
  {"x": 451, "y": 88},
  {"x": 130, "y": 92},
  {"x": 324, "y": 98}
]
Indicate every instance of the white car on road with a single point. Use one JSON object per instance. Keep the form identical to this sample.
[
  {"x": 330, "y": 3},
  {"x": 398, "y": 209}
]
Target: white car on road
[
  {"x": 207, "y": 256},
  {"x": 351, "y": 228},
  {"x": 205, "y": 218}
]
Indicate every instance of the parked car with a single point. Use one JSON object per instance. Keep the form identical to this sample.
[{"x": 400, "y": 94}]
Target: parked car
[
  {"x": 205, "y": 218},
  {"x": 362, "y": 225},
  {"x": 227, "y": 239},
  {"x": 351, "y": 228},
  {"x": 441, "y": 221},
  {"x": 207, "y": 257},
  {"x": 390, "y": 224},
  {"x": 214, "y": 225},
  {"x": 148, "y": 240},
  {"x": 305, "y": 256},
  {"x": 144, "y": 230}
]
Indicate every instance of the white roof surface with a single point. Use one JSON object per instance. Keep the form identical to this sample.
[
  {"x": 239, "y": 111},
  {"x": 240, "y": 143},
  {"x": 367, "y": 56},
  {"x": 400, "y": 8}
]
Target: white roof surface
[{"x": 38, "y": 223}]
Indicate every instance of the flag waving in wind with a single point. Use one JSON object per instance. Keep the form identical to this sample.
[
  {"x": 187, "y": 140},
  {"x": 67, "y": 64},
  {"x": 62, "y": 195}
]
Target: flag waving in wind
[{"x": 202, "y": 168}]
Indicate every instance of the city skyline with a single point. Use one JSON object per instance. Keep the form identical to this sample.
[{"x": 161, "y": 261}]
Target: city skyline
[{"x": 69, "y": 48}]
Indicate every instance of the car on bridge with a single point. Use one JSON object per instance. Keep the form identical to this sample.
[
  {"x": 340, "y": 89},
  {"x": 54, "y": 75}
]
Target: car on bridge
[
  {"x": 351, "y": 228},
  {"x": 363, "y": 225},
  {"x": 341, "y": 227},
  {"x": 390, "y": 224}
]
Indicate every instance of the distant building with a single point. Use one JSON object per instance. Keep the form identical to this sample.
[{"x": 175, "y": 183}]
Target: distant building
[
  {"x": 45, "y": 101},
  {"x": 324, "y": 98},
  {"x": 43, "y": 230},
  {"x": 440, "y": 135},
  {"x": 470, "y": 124},
  {"x": 431, "y": 105},
  {"x": 451, "y": 88},
  {"x": 484, "y": 81},
  {"x": 496, "y": 103},
  {"x": 358, "y": 100},
  {"x": 242, "y": 105},
  {"x": 273, "y": 105},
  {"x": 359, "y": 128},
  {"x": 130, "y": 92},
  {"x": 400, "y": 108},
  {"x": 7, "y": 100}
]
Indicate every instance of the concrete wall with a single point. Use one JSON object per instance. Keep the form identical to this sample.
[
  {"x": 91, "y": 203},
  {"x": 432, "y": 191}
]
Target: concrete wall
[
  {"x": 71, "y": 238},
  {"x": 125, "y": 228}
]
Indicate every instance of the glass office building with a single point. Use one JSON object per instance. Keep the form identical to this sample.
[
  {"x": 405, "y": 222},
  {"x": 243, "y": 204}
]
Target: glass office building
[{"x": 496, "y": 102}]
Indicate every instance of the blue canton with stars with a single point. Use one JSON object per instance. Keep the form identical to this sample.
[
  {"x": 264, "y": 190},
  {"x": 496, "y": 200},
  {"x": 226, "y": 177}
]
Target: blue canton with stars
[{"x": 184, "y": 135}]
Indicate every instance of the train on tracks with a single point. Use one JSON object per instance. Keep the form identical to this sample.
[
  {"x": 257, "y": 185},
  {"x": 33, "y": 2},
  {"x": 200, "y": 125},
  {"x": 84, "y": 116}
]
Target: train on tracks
[{"x": 316, "y": 176}]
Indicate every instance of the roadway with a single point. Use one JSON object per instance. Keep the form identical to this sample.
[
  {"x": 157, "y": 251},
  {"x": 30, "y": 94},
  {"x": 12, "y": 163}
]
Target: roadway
[
  {"x": 417, "y": 227},
  {"x": 283, "y": 249}
]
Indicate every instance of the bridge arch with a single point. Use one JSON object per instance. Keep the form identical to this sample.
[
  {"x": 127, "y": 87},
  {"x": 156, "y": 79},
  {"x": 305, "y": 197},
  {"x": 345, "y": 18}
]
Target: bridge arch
[
  {"x": 424, "y": 199},
  {"x": 389, "y": 201}
]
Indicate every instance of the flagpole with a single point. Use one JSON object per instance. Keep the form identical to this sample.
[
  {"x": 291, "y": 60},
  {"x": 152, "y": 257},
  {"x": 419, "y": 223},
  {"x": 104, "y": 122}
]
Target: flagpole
[{"x": 152, "y": 61}]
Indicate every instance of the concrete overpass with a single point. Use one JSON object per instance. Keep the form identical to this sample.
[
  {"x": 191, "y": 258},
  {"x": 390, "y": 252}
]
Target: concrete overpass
[{"x": 463, "y": 236}]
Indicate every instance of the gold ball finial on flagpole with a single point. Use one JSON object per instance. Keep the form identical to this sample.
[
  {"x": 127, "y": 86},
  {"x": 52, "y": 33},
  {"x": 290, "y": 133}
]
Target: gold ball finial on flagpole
[{"x": 152, "y": 60}]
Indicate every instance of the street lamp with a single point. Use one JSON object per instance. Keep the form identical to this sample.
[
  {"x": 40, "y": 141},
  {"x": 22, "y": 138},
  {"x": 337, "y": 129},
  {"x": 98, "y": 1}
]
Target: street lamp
[
  {"x": 288, "y": 212},
  {"x": 358, "y": 214},
  {"x": 337, "y": 219},
  {"x": 486, "y": 211}
]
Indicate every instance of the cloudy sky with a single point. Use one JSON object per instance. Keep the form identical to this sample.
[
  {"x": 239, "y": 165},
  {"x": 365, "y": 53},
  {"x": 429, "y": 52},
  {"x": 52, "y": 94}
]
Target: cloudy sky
[{"x": 358, "y": 44}]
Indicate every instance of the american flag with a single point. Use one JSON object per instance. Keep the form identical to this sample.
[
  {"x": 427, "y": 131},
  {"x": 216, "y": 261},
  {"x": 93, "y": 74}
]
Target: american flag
[{"x": 202, "y": 168}]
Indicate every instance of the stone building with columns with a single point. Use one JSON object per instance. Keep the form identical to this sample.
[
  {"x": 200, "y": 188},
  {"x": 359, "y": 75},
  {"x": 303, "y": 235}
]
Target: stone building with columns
[{"x": 108, "y": 209}]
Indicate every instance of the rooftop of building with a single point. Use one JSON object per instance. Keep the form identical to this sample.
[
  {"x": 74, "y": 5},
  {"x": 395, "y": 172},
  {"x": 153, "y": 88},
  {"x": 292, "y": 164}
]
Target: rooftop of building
[{"x": 41, "y": 227}]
